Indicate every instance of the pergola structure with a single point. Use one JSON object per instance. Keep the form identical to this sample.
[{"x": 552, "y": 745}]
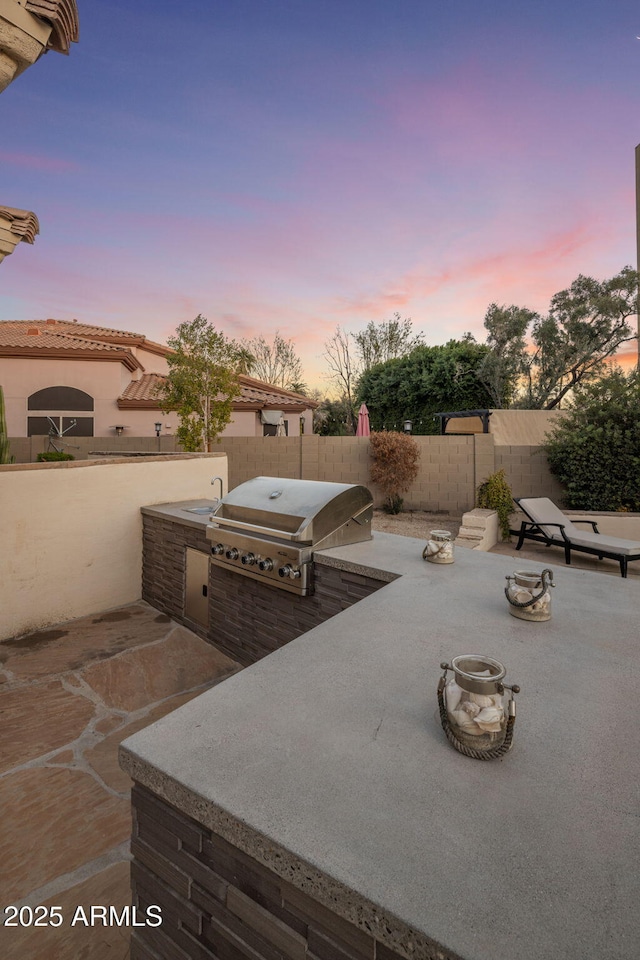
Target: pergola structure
[{"x": 444, "y": 418}]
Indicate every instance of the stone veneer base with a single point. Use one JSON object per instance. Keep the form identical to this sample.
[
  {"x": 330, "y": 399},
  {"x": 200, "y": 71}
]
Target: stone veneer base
[
  {"x": 218, "y": 903},
  {"x": 247, "y": 619}
]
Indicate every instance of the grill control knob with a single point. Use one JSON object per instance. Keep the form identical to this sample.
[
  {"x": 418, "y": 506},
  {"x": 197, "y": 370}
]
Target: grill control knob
[
  {"x": 232, "y": 554},
  {"x": 248, "y": 559},
  {"x": 289, "y": 571},
  {"x": 265, "y": 564},
  {"x": 219, "y": 548}
]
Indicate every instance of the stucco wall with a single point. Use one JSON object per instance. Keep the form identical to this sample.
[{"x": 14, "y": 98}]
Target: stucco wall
[
  {"x": 522, "y": 427},
  {"x": 100, "y": 379},
  {"x": 72, "y": 532},
  {"x": 105, "y": 381}
]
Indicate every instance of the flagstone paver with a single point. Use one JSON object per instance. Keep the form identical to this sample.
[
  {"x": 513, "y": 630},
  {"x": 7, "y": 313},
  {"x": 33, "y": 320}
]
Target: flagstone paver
[
  {"x": 72, "y": 645},
  {"x": 54, "y": 820},
  {"x": 68, "y": 697},
  {"x": 74, "y": 940},
  {"x": 39, "y": 718},
  {"x": 133, "y": 680},
  {"x": 103, "y": 758}
]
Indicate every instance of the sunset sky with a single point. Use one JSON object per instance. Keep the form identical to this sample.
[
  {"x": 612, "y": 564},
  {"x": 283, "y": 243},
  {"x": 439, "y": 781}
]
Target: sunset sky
[{"x": 298, "y": 164}]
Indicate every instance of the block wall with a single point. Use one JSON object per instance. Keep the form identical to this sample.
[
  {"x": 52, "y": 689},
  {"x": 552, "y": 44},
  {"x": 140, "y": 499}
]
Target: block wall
[
  {"x": 450, "y": 470},
  {"x": 528, "y": 473},
  {"x": 445, "y": 482}
]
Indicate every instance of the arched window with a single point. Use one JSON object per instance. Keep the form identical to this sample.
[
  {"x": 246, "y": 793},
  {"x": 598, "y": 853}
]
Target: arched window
[
  {"x": 60, "y": 398},
  {"x": 54, "y": 410}
]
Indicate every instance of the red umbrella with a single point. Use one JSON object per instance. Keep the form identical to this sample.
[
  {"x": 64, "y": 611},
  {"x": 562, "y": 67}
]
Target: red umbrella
[{"x": 363, "y": 429}]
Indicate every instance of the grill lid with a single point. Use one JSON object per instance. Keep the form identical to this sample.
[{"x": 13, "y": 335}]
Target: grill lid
[{"x": 301, "y": 511}]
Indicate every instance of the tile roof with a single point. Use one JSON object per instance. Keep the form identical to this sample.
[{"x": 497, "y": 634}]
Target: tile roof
[
  {"x": 264, "y": 394},
  {"x": 143, "y": 394},
  {"x": 63, "y": 17},
  {"x": 59, "y": 339},
  {"x": 23, "y": 223},
  {"x": 68, "y": 338}
]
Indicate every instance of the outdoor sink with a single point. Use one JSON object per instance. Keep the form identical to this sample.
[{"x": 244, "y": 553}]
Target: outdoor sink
[{"x": 201, "y": 510}]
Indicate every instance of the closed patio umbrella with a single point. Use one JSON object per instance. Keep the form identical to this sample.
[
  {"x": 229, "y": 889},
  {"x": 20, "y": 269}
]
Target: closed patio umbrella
[{"x": 363, "y": 429}]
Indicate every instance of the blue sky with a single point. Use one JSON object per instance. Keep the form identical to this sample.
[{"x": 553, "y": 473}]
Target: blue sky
[{"x": 298, "y": 165}]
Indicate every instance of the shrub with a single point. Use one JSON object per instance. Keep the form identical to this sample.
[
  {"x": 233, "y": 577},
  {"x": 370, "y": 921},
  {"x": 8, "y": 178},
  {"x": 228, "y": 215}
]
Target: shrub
[
  {"x": 52, "y": 455},
  {"x": 495, "y": 494},
  {"x": 395, "y": 465},
  {"x": 5, "y": 456},
  {"x": 595, "y": 449}
]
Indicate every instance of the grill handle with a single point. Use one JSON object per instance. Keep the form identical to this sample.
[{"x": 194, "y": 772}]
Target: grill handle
[{"x": 259, "y": 529}]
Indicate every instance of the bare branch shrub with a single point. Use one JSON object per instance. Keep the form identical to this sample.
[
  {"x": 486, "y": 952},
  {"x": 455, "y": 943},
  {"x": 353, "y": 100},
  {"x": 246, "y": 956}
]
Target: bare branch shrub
[{"x": 395, "y": 465}]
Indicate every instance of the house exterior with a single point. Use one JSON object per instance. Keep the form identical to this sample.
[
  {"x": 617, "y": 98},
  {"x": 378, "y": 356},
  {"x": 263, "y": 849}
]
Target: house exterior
[{"x": 97, "y": 382}]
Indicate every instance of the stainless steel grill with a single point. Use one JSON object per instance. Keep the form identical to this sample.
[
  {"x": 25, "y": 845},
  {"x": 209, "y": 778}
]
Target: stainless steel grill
[{"x": 269, "y": 527}]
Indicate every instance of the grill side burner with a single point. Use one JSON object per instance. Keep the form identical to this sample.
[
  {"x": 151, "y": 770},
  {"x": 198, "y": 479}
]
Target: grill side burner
[{"x": 268, "y": 527}]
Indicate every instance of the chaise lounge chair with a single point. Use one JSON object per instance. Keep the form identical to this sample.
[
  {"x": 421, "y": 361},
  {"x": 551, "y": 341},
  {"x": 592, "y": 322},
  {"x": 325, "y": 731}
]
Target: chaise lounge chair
[{"x": 547, "y": 524}]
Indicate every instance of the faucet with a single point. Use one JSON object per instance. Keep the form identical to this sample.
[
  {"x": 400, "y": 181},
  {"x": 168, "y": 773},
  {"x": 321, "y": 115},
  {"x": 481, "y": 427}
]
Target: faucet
[{"x": 221, "y": 487}]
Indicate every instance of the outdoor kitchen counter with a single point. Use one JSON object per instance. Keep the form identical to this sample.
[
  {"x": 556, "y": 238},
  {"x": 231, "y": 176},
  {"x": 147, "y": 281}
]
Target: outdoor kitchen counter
[
  {"x": 179, "y": 512},
  {"x": 326, "y": 763}
]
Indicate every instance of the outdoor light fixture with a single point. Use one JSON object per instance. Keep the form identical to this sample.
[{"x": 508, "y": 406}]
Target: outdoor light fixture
[
  {"x": 408, "y": 426},
  {"x": 118, "y": 430},
  {"x": 158, "y": 429},
  {"x": 473, "y": 712}
]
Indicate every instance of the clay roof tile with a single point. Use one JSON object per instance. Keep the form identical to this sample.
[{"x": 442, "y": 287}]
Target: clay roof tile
[{"x": 63, "y": 17}]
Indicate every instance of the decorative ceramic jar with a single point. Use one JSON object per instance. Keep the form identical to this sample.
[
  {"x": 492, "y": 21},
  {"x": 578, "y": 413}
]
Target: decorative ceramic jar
[
  {"x": 473, "y": 712},
  {"x": 529, "y": 594},
  {"x": 439, "y": 548}
]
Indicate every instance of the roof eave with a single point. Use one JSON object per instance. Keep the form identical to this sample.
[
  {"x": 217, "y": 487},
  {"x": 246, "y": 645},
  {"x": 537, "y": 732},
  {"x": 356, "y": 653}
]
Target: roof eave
[{"x": 61, "y": 353}]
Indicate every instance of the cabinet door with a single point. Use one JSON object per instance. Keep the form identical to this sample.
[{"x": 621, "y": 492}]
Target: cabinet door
[{"x": 196, "y": 601}]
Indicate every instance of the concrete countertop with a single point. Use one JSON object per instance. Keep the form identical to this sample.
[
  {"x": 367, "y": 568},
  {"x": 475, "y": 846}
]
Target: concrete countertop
[
  {"x": 326, "y": 762},
  {"x": 179, "y": 512}
]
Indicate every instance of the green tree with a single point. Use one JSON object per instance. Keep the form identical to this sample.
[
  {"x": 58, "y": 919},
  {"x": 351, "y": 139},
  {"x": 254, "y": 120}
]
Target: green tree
[
  {"x": 276, "y": 363},
  {"x": 595, "y": 449},
  {"x": 429, "y": 380},
  {"x": 586, "y": 324},
  {"x": 332, "y": 418},
  {"x": 350, "y": 355},
  {"x": 505, "y": 362},
  {"x": 299, "y": 386},
  {"x": 380, "y": 342},
  {"x": 201, "y": 384}
]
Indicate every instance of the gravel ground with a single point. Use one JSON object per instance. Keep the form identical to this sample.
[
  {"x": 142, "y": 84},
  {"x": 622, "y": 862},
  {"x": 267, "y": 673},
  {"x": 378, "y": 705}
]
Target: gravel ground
[{"x": 416, "y": 523}]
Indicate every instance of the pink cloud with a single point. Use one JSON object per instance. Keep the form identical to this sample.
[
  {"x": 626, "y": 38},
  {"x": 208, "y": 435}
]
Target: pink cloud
[
  {"x": 500, "y": 272},
  {"x": 31, "y": 162}
]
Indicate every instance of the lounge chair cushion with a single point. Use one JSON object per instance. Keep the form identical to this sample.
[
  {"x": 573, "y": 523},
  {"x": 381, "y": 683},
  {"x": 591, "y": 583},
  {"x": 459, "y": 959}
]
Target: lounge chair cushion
[
  {"x": 608, "y": 544},
  {"x": 542, "y": 510}
]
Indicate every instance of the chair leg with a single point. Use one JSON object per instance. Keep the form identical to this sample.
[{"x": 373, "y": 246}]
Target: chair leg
[
  {"x": 567, "y": 554},
  {"x": 623, "y": 566}
]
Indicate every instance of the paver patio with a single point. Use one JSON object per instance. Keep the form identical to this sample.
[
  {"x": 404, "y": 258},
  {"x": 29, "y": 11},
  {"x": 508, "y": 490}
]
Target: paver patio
[{"x": 68, "y": 696}]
